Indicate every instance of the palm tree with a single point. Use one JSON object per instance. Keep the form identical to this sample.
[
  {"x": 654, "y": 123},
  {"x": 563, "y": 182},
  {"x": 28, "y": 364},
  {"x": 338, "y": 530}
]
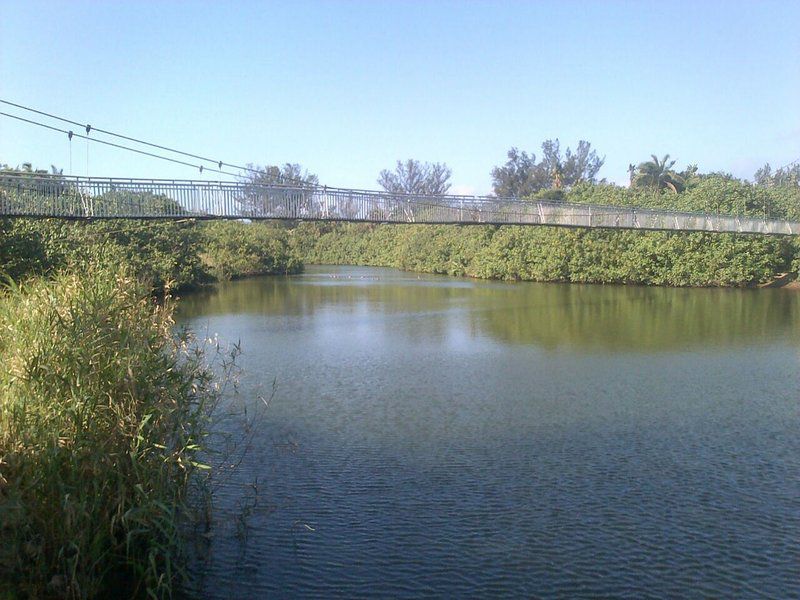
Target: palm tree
[{"x": 658, "y": 174}]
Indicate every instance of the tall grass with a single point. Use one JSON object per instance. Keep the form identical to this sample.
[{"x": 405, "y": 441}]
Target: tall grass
[{"x": 102, "y": 410}]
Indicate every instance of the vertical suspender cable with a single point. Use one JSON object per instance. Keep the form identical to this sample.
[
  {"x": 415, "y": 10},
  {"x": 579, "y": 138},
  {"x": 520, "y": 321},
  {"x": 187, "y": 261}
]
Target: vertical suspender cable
[
  {"x": 88, "y": 129},
  {"x": 69, "y": 136}
]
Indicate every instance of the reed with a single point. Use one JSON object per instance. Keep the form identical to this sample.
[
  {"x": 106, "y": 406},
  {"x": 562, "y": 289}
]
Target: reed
[{"x": 103, "y": 408}]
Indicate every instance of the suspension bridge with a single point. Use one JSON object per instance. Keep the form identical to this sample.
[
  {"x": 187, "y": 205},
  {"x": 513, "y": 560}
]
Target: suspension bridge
[{"x": 65, "y": 197}]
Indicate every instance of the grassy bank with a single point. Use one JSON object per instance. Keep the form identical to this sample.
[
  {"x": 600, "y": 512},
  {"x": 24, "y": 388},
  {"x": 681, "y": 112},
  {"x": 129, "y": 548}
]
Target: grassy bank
[{"x": 101, "y": 413}]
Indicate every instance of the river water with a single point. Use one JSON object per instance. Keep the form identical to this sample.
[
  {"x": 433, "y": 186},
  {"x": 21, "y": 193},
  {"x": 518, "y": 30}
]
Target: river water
[{"x": 430, "y": 436}]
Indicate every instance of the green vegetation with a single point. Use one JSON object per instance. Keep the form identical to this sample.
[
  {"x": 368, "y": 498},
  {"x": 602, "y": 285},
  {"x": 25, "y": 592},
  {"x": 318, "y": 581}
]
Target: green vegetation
[
  {"x": 102, "y": 409},
  {"x": 578, "y": 255},
  {"x": 178, "y": 255},
  {"x": 549, "y": 254},
  {"x": 232, "y": 250}
]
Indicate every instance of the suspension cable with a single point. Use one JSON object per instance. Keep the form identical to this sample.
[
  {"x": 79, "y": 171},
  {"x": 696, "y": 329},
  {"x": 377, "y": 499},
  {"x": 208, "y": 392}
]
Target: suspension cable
[
  {"x": 90, "y": 128},
  {"x": 72, "y": 134}
]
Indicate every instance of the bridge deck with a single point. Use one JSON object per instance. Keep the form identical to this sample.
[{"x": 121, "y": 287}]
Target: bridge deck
[{"x": 113, "y": 198}]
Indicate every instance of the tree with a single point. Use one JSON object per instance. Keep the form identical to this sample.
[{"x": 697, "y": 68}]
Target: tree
[
  {"x": 764, "y": 175},
  {"x": 27, "y": 169},
  {"x": 286, "y": 174},
  {"x": 691, "y": 176},
  {"x": 522, "y": 176},
  {"x": 415, "y": 177},
  {"x": 789, "y": 175},
  {"x": 658, "y": 174},
  {"x": 264, "y": 194},
  {"x": 575, "y": 167}
]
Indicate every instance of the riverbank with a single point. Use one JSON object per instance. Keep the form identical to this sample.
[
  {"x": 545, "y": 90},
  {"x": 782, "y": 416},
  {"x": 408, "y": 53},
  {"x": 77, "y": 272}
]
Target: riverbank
[{"x": 555, "y": 255}]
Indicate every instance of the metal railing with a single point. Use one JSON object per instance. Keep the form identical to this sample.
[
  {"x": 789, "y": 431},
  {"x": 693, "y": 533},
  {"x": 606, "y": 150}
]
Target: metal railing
[{"x": 35, "y": 195}]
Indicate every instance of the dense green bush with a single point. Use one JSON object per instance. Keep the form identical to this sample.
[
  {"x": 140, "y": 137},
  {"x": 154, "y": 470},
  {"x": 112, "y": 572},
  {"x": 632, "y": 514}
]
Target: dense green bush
[
  {"x": 179, "y": 254},
  {"x": 233, "y": 249},
  {"x": 712, "y": 194},
  {"x": 25, "y": 248}
]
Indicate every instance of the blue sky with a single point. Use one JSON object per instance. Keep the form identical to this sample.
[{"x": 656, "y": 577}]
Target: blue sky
[{"x": 347, "y": 88}]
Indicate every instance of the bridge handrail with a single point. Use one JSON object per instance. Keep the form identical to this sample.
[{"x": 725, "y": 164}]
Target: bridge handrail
[{"x": 423, "y": 200}]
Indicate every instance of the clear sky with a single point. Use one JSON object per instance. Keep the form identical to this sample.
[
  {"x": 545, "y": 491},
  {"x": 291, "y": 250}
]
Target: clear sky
[{"x": 347, "y": 88}]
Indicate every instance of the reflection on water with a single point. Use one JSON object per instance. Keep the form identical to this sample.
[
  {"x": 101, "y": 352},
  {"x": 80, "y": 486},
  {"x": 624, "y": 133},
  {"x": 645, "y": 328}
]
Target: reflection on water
[
  {"x": 624, "y": 318},
  {"x": 436, "y": 437}
]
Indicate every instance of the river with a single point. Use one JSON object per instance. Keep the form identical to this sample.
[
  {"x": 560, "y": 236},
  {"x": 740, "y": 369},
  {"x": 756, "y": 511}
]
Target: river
[{"x": 444, "y": 437}]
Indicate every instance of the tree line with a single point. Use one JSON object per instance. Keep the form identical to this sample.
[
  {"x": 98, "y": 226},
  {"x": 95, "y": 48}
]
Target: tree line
[{"x": 554, "y": 173}]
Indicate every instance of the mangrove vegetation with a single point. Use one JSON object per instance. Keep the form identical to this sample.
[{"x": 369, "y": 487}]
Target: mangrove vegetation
[{"x": 580, "y": 255}]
